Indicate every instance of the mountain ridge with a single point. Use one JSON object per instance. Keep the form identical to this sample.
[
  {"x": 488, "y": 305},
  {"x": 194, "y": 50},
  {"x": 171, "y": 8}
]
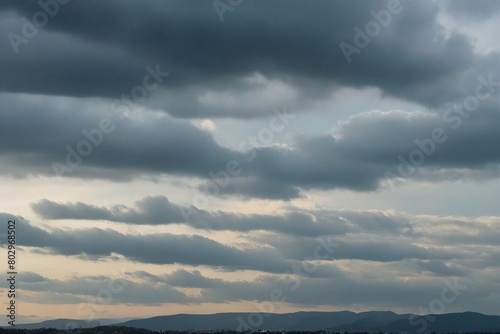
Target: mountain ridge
[{"x": 340, "y": 321}]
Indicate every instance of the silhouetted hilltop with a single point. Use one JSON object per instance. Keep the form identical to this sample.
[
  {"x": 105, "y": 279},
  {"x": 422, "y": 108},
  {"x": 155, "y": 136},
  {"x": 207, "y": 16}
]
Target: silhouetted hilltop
[{"x": 327, "y": 322}]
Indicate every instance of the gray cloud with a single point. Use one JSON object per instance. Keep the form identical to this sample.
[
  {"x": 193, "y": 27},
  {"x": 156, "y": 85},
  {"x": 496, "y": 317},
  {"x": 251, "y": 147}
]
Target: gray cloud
[
  {"x": 157, "y": 210},
  {"x": 164, "y": 248},
  {"x": 376, "y": 265},
  {"x": 189, "y": 41},
  {"x": 143, "y": 288},
  {"x": 80, "y": 68},
  {"x": 427, "y": 67},
  {"x": 365, "y": 151},
  {"x": 470, "y": 10},
  {"x": 192, "y": 279},
  {"x": 439, "y": 268},
  {"x": 158, "y": 143},
  {"x": 359, "y": 235},
  {"x": 90, "y": 290}
]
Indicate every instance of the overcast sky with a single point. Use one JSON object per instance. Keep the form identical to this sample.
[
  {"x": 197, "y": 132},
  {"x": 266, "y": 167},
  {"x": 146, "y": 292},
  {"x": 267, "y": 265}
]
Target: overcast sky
[{"x": 167, "y": 157}]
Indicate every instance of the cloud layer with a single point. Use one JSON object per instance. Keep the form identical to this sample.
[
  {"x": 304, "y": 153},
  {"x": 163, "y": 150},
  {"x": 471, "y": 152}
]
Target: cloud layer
[{"x": 232, "y": 153}]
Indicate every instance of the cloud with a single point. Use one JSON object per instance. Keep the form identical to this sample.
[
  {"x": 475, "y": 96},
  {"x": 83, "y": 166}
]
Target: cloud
[
  {"x": 365, "y": 151},
  {"x": 31, "y": 277},
  {"x": 237, "y": 61},
  {"x": 63, "y": 131},
  {"x": 360, "y": 235},
  {"x": 375, "y": 236},
  {"x": 193, "y": 250},
  {"x": 210, "y": 79},
  {"x": 193, "y": 279},
  {"x": 158, "y": 210},
  {"x": 373, "y": 147},
  {"x": 75, "y": 104},
  {"x": 439, "y": 268},
  {"x": 466, "y": 9},
  {"x": 142, "y": 288},
  {"x": 90, "y": 291},
  {"x": 369, "y": 266}
]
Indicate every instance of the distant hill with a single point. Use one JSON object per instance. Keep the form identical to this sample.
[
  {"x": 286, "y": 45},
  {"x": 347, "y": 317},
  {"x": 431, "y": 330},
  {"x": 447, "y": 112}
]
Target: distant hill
[
  {"x": 344, "y": 321},
  {"x": 69, "y": 323},
  {"x": 445, "y": 323},
  {"x": 244, "y": 321}
]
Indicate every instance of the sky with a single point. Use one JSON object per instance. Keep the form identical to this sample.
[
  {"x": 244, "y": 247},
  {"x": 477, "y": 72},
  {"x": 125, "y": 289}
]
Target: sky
[{"x": 168, "y": 157}]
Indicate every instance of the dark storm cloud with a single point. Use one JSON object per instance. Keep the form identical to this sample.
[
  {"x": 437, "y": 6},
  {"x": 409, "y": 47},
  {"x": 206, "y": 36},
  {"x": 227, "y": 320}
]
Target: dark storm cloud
[
  {"x": 411, "y": 58},
  {"x": 367, "y": 148},
  {"x": 377, "y": 146},
  {"x": 36, "y": 133},
  {"x": 466, "y": 142},
  {"x": 105, "y": 55}
]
